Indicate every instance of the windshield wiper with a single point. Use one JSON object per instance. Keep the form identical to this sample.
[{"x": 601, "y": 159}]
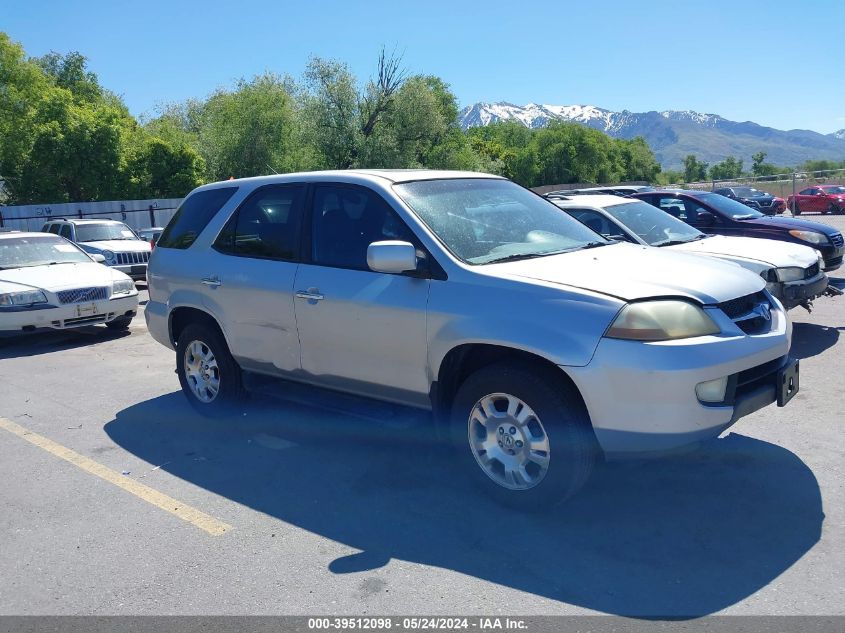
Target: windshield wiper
[
  {"x": 595, "y": 244},
  {"x": 515, "y": 257},
  {"x": 676, "y": 242}
]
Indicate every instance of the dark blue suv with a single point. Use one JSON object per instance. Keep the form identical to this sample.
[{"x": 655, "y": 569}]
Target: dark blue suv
[{"x": 715, "y": 214}]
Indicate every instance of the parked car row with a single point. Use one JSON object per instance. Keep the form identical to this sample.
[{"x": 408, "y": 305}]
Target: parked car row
[
  {"x": 793, "y": 273},
  {"x": 538, "y": 345},
  {"x": 716, "y": 214}
]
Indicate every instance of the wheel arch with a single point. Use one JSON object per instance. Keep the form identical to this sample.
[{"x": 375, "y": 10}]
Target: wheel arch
[
  {"x": 182, "y": 316},
  {"x": 464, "y": 359}
]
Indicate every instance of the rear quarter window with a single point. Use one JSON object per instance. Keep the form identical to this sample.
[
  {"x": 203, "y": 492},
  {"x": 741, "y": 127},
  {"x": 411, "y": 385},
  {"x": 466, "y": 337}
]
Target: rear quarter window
[{"x": 192, "y": 216}]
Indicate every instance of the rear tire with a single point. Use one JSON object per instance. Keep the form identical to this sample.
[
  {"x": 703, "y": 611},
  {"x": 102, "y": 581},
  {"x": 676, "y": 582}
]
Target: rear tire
[
  {"x": 210, "y": 378},
  {"x": 524, "y": 437}
]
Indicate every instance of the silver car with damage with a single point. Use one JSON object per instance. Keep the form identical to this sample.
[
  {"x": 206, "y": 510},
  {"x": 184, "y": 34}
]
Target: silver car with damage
[{"x": 538, "y": 346}]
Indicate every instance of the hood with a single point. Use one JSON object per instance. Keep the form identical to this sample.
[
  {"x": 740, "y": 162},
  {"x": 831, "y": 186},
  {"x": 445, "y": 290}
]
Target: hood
[
  {"x": 771, "y": 252},
  {"x": 58, "y": 277},
  {"x": 630, "y": 272},
  {"x": 117, "y": 246},
  {"x": 793, "y": 223}
]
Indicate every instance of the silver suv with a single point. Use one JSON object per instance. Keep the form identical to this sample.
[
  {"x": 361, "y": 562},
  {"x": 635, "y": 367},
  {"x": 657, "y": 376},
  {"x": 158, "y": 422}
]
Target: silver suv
[
  {"x": 538, "y": 345},
  {"x": 119, "y": 245}
]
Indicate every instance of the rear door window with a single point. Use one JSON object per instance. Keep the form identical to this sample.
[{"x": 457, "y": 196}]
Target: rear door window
[
  {"x": 64, "y": 231},
  {"x": 674, "y": 207},
  {"x": 192, "y": 216},
  {"x": 267, "y": 226}
]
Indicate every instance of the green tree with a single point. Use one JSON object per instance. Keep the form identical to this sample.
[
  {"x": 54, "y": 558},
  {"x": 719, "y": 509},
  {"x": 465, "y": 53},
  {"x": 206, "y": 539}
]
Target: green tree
[
  {"x": 162, "y": 170},
  {"x": 694, "y": 169},
  {"x": 727, "y": 169},
  {"x": 248, "y": 131}
]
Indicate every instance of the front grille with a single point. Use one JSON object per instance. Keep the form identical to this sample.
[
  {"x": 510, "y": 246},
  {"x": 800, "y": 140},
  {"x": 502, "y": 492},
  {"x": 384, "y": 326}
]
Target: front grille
[
  {"x": 86, "y": 320},
  {"x": 751, "y": 313},
  {"x": 837, "y": 240},
  {"x": 812, "y": 271},
  {"x": 833, "y": 262},
  {"x": 765, "y": 203},
  {"x": 79, "y": 295},
  {"x": 132, "y": 258},
  {"x": 742, "y": 305}
]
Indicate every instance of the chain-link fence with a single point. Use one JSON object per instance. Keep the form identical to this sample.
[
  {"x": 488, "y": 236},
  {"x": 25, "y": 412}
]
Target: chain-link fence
[{"x": 798, "y": 186}]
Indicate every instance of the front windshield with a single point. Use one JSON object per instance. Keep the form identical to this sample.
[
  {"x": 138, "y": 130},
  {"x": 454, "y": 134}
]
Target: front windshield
[
  {"x": 749, "y": 192},
  {"x": 835, "y": 190},
  {"x": 654, "y": 226},
  {"x": 726, "y": 206},
  {"x": 22, "y": 252},
  {"x": 483, "y": 220},
  {"x": 103, "y": 232}
]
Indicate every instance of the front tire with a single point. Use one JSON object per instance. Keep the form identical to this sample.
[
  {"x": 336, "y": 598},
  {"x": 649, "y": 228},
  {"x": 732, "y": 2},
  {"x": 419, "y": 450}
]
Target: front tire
[
  {"x": 795, "y": 208},
  {"x": 523, "y": 436},
  {"x": 209, "y": 376}
]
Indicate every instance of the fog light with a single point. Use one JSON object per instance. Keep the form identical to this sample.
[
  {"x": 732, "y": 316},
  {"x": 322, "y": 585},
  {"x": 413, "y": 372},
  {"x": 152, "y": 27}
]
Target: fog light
[{"x": 712, "y": 390}]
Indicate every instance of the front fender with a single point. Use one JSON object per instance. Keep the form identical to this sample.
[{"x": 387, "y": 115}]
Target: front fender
[{"x": 561, "y": 325}]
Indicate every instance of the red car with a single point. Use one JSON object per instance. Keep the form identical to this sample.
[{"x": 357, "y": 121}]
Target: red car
[{"x": 821, "y": 198}]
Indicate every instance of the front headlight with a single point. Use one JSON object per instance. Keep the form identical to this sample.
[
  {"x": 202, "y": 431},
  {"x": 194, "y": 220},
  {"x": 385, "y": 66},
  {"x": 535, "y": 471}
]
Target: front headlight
[
  {"x": 793, "y": 273},
  {"x": 809, "y": 236},
  {"x": 22, "y": 298},
  {"x": 123, "y": 287},
  {"x": 109, "y": 255},
  {"x": 661, "y": 320}
]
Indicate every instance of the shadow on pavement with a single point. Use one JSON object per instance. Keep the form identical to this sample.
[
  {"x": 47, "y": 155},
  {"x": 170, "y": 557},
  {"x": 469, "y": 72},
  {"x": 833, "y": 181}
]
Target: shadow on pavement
[
  {"x": 21, "y": 344},
  {"x": 811, "y": 339},
  {"x": 681, "y": 536}
]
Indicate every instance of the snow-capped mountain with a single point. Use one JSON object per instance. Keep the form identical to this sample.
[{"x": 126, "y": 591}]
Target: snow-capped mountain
[
  {"x": 535, "y": 115},
  {"x": 672, "y": 134}
]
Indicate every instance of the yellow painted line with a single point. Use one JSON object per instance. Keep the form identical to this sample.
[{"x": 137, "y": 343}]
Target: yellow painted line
[{"x": 185, "y": 512}]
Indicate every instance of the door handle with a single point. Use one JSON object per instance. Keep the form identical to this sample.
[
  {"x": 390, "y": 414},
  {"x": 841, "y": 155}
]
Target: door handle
[
  {"x": 213, "y": 281},
  {"x": 312, "y": 294}
]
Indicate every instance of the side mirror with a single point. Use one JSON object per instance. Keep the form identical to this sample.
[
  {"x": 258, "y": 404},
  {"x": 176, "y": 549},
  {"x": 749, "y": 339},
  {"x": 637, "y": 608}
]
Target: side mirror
[
  {"x": 97, "y": 257},
  {"x": 392, "y": 257},
  {"x": 705, "y": 218}
]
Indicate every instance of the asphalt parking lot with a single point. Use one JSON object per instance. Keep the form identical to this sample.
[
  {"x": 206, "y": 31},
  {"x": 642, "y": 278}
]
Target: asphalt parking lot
[{"x": 118, "y": 499}]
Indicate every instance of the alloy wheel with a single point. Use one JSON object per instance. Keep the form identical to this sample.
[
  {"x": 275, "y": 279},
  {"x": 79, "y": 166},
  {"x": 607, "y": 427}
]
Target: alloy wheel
[
  {"x": 508, "y": 441},
  {"x": 201, "y": 371}
]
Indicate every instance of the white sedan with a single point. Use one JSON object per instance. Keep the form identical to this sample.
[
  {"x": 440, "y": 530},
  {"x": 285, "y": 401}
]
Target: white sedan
[{"x": 48, "y": 282}]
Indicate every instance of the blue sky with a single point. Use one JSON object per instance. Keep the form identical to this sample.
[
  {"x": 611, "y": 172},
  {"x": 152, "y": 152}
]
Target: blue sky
[{"x": 776, "y": 63}]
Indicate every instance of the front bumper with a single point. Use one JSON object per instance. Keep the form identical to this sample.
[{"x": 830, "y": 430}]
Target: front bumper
[
  {"x": 832, "y": 256},
  {"x": 794, "y": 293},
  {"x": 61, "y": 317},
  {"x": 138, "y": 272},
  {"x": 641, "y": 396}
]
